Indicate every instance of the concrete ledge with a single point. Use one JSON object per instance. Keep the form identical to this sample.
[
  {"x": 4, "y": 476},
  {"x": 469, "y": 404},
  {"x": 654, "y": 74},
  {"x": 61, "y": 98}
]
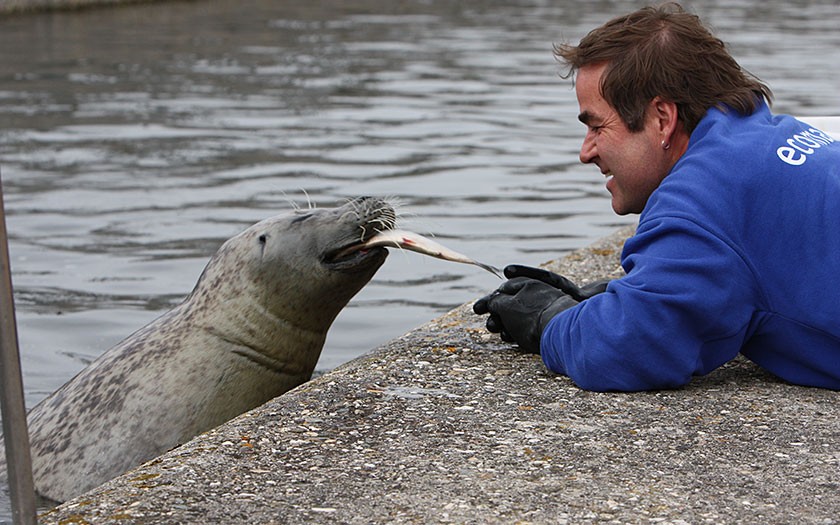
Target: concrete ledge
[{"x": 449, "y": 425}]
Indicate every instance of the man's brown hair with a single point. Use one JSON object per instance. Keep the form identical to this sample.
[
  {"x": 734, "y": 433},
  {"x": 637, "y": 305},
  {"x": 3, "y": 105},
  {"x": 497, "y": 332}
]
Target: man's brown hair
[{"x": 664, "y": 51}]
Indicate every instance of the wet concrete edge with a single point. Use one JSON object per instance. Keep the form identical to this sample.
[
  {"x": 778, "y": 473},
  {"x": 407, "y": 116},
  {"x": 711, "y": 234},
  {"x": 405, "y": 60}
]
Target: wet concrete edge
[{"x": 447, "y": 424}]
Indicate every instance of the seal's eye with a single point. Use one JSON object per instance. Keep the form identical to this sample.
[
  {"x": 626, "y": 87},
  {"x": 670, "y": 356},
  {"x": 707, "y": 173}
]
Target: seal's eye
[{"x": 263, "y": 238}]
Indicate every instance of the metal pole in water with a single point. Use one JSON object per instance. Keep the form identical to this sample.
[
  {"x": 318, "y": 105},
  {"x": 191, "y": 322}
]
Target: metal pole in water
[{"x": 15, "y": 434}]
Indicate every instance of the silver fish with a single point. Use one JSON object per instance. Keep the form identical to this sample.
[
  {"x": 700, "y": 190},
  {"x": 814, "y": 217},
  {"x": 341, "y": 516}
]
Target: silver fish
[{"x": 417, "y": 243}]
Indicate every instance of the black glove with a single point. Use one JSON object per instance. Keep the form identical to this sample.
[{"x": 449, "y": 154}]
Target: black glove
[
  {"x": 520, "y": 310},
  {"x": 557, "y": 281}
]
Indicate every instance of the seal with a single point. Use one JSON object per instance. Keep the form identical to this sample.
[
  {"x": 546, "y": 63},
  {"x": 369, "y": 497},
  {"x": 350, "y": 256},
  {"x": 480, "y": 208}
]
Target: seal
[{"x": 252, "y": 328}]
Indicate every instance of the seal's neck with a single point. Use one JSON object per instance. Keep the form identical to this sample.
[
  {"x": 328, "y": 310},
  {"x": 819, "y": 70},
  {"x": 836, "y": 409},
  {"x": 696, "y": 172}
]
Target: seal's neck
[{"x": 285, "y": 340}]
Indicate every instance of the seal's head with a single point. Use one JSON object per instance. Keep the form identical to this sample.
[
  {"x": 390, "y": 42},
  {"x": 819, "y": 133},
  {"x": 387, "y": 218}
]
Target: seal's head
[
  {"x": 370, "y": 216},
  {"x": 289, "y": 263},
  {"x": 319, "y": 236}
]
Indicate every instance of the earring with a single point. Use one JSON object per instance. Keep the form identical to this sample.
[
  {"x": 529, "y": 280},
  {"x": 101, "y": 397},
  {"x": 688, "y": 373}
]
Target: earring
[{"x": 665, "y": 145}]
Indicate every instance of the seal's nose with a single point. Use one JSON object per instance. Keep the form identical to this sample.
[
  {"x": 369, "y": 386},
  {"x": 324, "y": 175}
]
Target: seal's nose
[{"x": 372, "y": 210}]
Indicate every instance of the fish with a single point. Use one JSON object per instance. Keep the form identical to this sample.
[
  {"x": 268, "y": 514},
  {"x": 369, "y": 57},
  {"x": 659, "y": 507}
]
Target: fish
[{"x": 415, "y": 242}]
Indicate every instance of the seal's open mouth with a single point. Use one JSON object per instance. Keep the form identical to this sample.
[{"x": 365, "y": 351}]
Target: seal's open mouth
[
  {"x": 355, "y": 253},
  {"x": 353, "y": 256},
  {"x": 354, "y": 249},
  {"x": 371, "y": 217}
]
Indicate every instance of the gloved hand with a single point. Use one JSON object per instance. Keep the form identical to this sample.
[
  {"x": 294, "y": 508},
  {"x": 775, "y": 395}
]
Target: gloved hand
[
  {"x": 521, "y": 309},
  {"x": 557, "y": 281}
]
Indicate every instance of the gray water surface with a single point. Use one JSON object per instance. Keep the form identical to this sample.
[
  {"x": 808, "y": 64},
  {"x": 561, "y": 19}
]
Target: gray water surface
[{"x": 135, "y": 140}]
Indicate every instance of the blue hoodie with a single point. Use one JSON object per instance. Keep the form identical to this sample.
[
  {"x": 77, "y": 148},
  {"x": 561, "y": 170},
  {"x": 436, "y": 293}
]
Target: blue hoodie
[{"x": 737, "y": 250}]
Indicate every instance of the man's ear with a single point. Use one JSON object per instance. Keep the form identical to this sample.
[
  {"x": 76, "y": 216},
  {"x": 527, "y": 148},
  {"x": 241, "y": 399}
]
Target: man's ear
[{"x": 665, "y": 117}]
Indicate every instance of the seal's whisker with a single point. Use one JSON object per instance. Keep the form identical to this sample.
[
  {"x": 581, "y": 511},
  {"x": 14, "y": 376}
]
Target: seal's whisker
[
  {"x": 387, "y": 217},
  {"x": 309, "y": 204},
  {"x": 348, "y": 213},
  {"x": 413, "y": 222},
  {"x": 397, "y": 205},
  {"x": 354, "y": 204},
  {"x": 403, "y": 250},
  {"x": 385, "y": 223},
  {"x": 290, "y": 201},
  {"x": 394, "y": 201}
]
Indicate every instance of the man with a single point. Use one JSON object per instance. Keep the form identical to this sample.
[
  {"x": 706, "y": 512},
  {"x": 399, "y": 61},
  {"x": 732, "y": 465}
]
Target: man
[{"x": 738, "y": 243}]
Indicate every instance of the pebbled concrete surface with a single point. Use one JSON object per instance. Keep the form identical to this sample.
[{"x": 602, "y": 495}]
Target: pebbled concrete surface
[{"x": 447, "y": 424}]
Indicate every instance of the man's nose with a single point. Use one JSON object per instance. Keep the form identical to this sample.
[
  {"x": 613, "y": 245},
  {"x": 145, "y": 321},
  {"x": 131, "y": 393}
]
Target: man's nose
[{"x": 588, "y": 151}]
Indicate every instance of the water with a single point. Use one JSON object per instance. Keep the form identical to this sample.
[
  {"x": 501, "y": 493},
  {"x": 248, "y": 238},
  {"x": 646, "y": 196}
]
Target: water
[{"x": 134, "y": 140}]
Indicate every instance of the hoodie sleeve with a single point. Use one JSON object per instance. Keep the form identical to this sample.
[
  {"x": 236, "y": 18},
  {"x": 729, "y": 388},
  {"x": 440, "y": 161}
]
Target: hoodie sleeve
[{"x": 683, "y": 309}]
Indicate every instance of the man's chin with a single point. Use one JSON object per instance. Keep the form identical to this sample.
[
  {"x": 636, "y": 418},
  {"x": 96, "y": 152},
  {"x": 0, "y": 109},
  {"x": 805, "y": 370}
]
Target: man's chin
[
  {"x": 620, "y": 208},
  {"x": 617, "y": 205}
]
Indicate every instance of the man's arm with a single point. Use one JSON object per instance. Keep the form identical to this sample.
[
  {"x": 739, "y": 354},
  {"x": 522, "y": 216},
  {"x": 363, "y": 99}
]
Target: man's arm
[{"x": 684, "y": 308}]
